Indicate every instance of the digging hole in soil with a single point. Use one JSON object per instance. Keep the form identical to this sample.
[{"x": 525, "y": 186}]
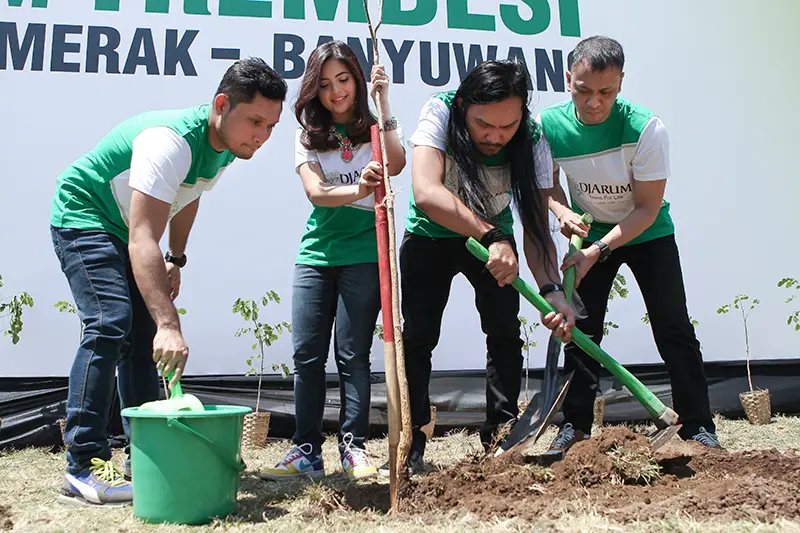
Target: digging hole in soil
[{"x": 618, "y": 473}]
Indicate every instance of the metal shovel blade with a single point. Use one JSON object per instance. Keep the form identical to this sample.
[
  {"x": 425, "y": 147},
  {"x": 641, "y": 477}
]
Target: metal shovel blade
[
  {"x": 661, "y": 436},
  {"x": 540, "y": 412},
  {"x": 537, "y": 417}
]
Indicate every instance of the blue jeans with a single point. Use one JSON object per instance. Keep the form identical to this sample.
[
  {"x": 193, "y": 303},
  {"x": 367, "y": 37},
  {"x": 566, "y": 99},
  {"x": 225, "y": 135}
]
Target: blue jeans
[
  {"x": 117, "y": 339},
  {"x": 351, "y": 295}
]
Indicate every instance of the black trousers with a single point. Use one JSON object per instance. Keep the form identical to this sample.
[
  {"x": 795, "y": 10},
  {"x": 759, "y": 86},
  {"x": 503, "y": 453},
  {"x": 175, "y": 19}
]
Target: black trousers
[
  {"x": 656, "y": 266},
  {"x": 427, "y": 269}
]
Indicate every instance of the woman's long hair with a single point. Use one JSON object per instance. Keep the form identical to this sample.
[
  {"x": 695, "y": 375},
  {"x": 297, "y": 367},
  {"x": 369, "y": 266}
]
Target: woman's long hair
[
  {"x": 491, "y": 82},
  {"x": 312, "y": 115}
]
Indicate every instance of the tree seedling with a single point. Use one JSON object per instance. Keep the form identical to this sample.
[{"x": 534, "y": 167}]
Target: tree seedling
[
  {"x": 618, "y": 290},
  {"x": 66, "y": 307},
  {"x": 264, "y": 334},
  {"x": 745, "y": 305},
  {"x": 527, "y": 329},
  {"x": 646, "y": 320},
  {"x": 13, "y": 307},
  {"x": 792, "y": 284}
]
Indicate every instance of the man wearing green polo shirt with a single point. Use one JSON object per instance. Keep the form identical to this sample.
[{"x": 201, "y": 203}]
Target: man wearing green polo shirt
[
  {"x": 109, "y": 212},
  {"x": 473, "y": 152},
  {"x": 615, "y": 155}
]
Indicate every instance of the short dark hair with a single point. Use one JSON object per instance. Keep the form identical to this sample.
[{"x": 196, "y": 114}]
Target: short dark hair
[
  {"x": 601, "y": 52},
  {"x": 249, "y": 76}
]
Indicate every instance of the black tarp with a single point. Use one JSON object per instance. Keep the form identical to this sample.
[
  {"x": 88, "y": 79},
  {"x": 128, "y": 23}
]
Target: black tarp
[{"x": 30, "y": 407}]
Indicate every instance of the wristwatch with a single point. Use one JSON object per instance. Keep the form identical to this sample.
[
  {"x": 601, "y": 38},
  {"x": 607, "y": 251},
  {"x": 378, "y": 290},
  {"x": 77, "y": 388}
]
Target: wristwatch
[
  {"x": 605, "y": 251},
  {"x": 550, "y": 287},
  {"x": 179, "y": 261}
]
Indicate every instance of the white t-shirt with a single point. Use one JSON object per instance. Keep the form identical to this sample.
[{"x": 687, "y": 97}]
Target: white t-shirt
[
  {"x": 432, "y": 131},
  {"x": 343, "y": 235},
  {"x": 160, "y": 161},
  {"x": 338, "y": 172}
]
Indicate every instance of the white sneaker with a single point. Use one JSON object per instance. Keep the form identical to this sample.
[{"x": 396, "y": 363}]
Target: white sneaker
[
  {"x": 298, "y": 462},
  {"x": 355, "y": 461}
]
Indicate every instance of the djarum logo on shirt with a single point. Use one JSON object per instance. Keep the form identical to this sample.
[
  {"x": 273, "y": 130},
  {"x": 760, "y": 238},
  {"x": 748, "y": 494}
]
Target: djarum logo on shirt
[{"x": 343, "y": 178}]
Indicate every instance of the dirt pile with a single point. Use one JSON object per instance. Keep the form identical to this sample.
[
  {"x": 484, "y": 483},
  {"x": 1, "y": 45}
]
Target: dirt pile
[
  {"x": 618, "y": 473},
  {"x": 489, "y": 487},
  {"x": 5, "y": 518}
]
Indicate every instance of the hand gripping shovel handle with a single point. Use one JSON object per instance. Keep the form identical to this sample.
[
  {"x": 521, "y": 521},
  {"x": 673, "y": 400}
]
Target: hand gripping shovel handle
[
  {"x": 554, "y": 344},
  {"x": 662, "y": 415},
  {"x": 551, "y": 391},
  {"x": 575, "y": 244},
  {"x": 177, "y": 391}
]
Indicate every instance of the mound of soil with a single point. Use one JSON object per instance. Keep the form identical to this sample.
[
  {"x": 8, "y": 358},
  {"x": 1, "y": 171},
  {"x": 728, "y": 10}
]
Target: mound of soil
[
  {"x": 5, "y": 518},
  {"x": 619, "y": 474}
]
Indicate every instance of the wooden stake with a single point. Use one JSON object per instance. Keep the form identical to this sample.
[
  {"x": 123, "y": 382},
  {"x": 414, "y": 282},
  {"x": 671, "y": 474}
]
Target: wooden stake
[{"x": 394, "y": 355}]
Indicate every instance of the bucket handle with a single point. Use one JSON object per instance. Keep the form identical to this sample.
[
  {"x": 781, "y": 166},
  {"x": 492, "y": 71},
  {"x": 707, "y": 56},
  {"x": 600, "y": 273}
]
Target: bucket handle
[{"x": 237, "y": 465}]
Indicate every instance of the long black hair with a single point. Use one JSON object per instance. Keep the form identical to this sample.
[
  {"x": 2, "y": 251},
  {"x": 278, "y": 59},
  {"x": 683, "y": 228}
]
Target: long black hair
[{"x": 488, "y": 83}]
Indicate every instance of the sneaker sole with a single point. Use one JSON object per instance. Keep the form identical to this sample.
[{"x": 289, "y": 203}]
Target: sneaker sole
[
  {"x": 554, "y": 453},
  {"x": 362, "y": 476},
  {"x": 271, "y": 477},
  {"x": 80, "y": 501}
]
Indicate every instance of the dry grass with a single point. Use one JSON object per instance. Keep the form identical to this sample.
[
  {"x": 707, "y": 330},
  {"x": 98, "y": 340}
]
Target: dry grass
[
  {"x": 29, "y": 481},
  {"x": 634, "y": 466}
]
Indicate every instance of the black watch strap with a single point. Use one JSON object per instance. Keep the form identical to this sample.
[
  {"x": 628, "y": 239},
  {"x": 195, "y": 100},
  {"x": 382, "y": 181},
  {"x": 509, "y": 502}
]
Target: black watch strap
[
  {"x": 179, "y": 261},
  {"x": 550, "y": 287},
  {"x": 605, "y": 251}
]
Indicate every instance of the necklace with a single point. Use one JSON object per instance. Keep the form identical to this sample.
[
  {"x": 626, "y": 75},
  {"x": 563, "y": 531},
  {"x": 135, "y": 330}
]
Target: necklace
[{"x": 345, "y": 145}]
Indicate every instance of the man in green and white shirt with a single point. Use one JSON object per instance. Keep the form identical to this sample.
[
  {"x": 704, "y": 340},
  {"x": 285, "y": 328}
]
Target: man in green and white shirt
[
  {"x": 473, "y": 152},
  {"x": 615, "y": 156},
  {"x": 109, "y": 212}
]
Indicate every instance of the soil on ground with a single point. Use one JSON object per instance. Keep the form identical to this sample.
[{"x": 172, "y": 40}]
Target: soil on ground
[
  {"x": 617, "y": 473},
  {"x": 5, "y": 518}
]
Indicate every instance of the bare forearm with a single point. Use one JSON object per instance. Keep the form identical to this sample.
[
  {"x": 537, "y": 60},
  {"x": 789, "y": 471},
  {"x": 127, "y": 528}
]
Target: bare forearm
[
  {"x": 557, "y": 201},
  {"x": 444, "y": 208},
  {"x": 324, "y": 195},
  {"x": 179, "y": 228},
  {"x": 631, "y": 227},
  {"x": 542, "y": 266},
  {"x": 151, "y": 279},
  {"x": 395, "y": 154}
]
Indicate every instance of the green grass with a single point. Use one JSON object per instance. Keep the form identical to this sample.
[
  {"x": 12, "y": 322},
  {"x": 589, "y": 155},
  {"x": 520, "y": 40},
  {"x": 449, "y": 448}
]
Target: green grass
[{"x": 30, "y": 478}]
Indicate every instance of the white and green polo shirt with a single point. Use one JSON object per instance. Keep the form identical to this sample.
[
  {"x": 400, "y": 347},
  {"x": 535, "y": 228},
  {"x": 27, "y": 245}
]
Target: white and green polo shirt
[
  {"x": 344, "y": 235},
  {"x": 432, "y": 131},
  {"x": 164, "y": 154},
  {"x": 602, "y": 162}
]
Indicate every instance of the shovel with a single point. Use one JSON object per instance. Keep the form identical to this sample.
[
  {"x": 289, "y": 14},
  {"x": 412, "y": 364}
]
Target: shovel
[
  {"x": 177, "y": 402},
  {"x": 540, "y": 413},
  {"x": 666, "y": 420}
]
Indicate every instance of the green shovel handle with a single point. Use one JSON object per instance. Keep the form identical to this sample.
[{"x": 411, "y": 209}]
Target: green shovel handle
[
  {"x": 236, "y": 465},
  {"x": 575, "y": 244},
  {"x": 651, "y": 403}
]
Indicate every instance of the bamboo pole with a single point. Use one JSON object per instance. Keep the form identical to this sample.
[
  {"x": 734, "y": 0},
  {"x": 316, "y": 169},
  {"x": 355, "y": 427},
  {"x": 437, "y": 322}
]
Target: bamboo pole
[{"x": 394, "y": 355}]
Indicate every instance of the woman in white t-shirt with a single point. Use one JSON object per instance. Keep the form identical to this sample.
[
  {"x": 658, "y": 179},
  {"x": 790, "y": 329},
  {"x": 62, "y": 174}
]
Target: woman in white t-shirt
[{"x": 336, "y": 272}]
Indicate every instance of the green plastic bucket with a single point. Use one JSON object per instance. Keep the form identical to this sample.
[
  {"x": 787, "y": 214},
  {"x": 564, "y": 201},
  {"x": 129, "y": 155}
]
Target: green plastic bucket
[{"x": 185, "y": 465}]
